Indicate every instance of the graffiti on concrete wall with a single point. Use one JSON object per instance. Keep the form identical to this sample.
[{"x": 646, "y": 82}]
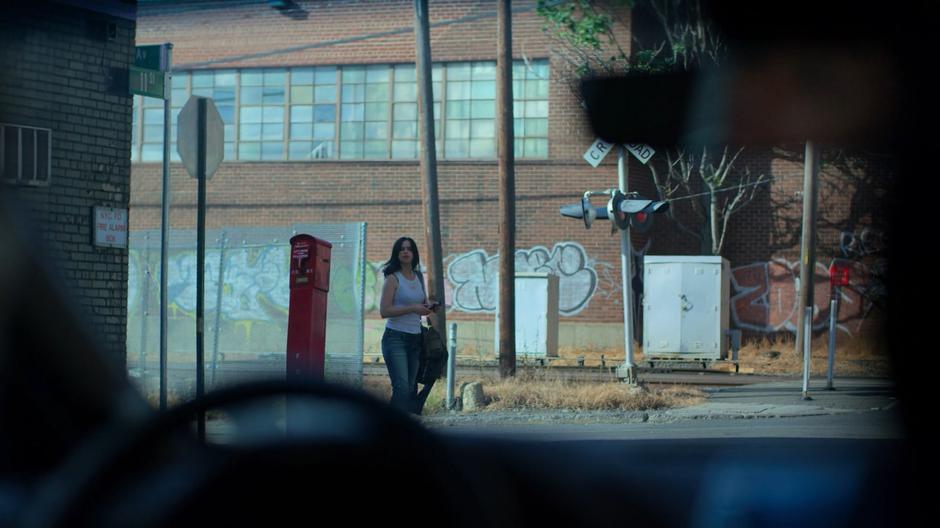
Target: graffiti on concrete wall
[
  {"x": 254, "y": 284},
  {"x": 471, "y": 279},
  {"x": 765, "y": 298},
  {"x": 474, "y": 276},
  {"x": 868, "y": 251},
  {"x": 610, "y": 283}
]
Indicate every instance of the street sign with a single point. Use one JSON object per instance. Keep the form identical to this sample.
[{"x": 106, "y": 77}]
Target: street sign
[
  {"x": 149, "y": 83},
  {"x": 640, "y": 151},
  {"x": 155, "y": 57},
  {"x": 189, "y": 134},
  {"x": 110, "y": 227},
  {"x": 595, "y": 154}
]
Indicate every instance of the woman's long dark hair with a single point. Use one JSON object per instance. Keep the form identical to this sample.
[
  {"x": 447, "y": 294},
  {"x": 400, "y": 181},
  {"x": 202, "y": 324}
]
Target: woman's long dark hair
[{"x": 394, "y": 265}]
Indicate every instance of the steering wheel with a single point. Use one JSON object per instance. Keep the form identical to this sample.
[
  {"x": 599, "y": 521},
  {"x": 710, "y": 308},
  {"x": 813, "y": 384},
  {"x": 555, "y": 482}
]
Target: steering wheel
[{"x": 369, "y": 463}]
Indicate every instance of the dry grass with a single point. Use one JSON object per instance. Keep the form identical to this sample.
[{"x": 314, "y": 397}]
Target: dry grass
[
  {"x": 855, "y": 356},
  {"x": 538, "y": 389},
  {"x": 859, "y": 355},
  {"x": 543, "y": 392}
]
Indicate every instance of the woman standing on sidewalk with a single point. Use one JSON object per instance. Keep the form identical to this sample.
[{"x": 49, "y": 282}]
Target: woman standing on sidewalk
[{"x": 403, "y": 303}]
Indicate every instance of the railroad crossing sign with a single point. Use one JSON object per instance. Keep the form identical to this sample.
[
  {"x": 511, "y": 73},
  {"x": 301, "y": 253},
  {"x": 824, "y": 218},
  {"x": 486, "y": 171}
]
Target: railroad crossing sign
[
  {"x": 641, "y": 151},
  {"x": 597, "y": 151}
]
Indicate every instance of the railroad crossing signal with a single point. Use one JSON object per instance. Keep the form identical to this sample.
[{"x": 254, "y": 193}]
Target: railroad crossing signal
[{"x": 623, "y": 210}]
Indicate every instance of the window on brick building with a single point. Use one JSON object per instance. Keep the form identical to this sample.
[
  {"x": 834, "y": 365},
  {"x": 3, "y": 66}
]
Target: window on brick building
[
  {"x": 405, "y": 111},
  {"x": 261, "y": 115},
  {"x": 470, "y": 111},
  {"x": 364, "y": 114},
  {"x": 353, "y": 112},
  {"x": 313, "y": 101},
  {"x": 147, "y": 129},
  {"x": 530, "y": 109},
  {"x": 25, "y": 154},
  {"x": 220, "y": 86},
  {"x": 151, "y": 138},
  {"x": 180, "y": 87}
]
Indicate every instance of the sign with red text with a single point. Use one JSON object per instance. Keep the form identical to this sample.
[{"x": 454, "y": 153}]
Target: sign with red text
[{"x": 110, "y": 227}]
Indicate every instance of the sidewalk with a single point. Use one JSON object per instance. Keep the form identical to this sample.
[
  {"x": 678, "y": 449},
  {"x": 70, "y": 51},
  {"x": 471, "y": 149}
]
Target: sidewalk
[{"x": 784, "y": 399}]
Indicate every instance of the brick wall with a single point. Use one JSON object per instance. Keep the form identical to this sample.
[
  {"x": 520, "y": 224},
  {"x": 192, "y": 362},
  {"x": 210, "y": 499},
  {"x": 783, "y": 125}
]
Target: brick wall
[{"x": 56, "y": 62}]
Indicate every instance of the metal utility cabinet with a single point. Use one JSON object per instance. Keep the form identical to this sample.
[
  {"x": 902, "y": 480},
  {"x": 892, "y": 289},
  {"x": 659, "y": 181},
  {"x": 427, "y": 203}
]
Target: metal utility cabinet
[
  {"x": 685, "y": 307},
  {"x": 537, "y": 299}
]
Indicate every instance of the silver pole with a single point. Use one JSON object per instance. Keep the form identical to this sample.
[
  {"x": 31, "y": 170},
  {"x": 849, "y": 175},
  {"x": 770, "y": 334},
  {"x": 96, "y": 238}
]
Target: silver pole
[
  {"x": 451, "y": 365},
  {"x": 145, "y": 304},
  {"x": 363, "y": 265},
  {"x": 807, "y": 342},
  {"x": 218, "y": 306},
  {"x": 165, "y": 227},
  {"x": 833, "y": 316},
  {"x": 627, "y": 370}
]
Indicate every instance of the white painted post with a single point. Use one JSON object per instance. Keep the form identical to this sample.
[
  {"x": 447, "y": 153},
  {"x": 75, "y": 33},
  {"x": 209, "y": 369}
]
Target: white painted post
[
  {"x": 451, "y": 365},
  {"x": 833, "y": 315}
]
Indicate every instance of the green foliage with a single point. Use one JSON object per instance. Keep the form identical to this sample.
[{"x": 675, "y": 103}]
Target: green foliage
[
  {"x": 585, "y": 28},
  {"x": 577, "y": 23}
]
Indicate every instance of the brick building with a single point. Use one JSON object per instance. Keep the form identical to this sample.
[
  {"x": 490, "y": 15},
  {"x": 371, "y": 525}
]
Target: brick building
[
  {"x": 319, "y": 103},
  {"x": 64, "y": 140}
]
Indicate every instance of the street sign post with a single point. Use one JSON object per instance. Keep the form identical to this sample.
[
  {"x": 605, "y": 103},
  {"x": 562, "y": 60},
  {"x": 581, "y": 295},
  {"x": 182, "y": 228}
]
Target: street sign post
[
  {"x": 149, "y": 83},
  {"x": 200, "y": 146},
  {"x": 153, "y": 57},
  {"x": 149, "y": 75}
]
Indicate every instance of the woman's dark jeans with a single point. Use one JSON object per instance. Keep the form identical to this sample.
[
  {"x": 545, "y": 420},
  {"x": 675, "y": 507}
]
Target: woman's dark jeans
[{"x": 400, "y": 350}]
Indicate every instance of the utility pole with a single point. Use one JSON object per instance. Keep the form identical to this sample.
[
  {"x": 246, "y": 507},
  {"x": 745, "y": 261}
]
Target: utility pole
[
  {"x": 507, "y": 189},
  {"x": 807, "y": 248},
  {"x": 432, "y": 225}
]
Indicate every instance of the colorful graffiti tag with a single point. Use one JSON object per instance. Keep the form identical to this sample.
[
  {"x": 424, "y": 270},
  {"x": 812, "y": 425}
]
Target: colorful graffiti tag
[
  {"x": 766, "y": 296},
  {"x": 475, "y": 279}
]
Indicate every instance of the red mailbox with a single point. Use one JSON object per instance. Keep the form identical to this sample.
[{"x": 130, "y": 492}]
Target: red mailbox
[{"x": 306, "y": 319}]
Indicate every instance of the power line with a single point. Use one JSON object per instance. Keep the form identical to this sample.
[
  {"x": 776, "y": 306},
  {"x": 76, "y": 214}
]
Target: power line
[
  {"x": 337, "y": 42},
  {"x": 734, "y": 188}
]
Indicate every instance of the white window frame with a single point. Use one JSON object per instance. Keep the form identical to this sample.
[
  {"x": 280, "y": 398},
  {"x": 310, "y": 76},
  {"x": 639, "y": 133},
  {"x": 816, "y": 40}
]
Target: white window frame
[{"x": 20, "y": 178}]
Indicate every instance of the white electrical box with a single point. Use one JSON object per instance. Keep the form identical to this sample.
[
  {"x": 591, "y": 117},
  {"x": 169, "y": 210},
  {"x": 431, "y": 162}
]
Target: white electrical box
[
  {"x": 685, "y": 307},
  {"x": 537, "y": 299}
]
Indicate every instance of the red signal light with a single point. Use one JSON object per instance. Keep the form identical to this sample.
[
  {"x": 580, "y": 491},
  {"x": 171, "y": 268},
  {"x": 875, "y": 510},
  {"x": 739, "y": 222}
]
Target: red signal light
[{"x": 839, "y": 273}]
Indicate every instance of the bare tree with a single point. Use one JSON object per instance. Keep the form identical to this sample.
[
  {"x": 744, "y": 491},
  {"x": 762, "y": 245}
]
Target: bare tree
[{"x": 583, "y": 31}]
